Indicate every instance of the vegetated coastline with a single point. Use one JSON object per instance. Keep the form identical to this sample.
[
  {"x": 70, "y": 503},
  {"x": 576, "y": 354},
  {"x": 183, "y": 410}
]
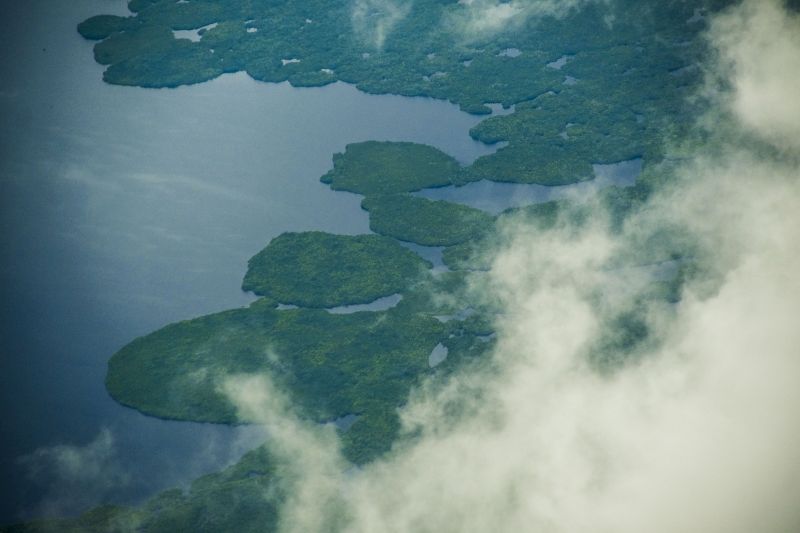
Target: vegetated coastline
[{"x": 366, "y": 362}]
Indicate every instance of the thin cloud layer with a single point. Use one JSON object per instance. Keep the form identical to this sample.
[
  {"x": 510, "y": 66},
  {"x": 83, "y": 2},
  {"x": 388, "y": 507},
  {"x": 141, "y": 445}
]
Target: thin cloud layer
[
  {"x": 701, "y": 432},
  {"x": 374, "y": 20},
  {"x": 308, "y": 455},
  {"x": 756, "y": 42},
  {"x": 483, "y": 18},
  {"x": 75, "y": 476}
]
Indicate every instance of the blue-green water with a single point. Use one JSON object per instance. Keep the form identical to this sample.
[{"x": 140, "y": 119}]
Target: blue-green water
[{"x": 125, "y": 209}]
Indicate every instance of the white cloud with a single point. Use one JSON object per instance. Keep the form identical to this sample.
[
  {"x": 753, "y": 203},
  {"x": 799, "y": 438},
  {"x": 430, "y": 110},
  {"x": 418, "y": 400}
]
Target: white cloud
[
  {"x": 483, "y": 18},
  {"x": 374, "y": 20},
  {"x": 702, "y": 433},
  {"x": 756, "y": 41},
  {"x": 308, "y": 457}
]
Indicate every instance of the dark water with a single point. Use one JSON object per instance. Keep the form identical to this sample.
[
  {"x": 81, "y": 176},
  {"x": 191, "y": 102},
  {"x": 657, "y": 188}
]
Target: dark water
[
  {"x": 125, "y": 209},
  {"x": 381, "y": 304},
  {"x": 433, "y": 254},
  {"x": 495, "y": 197}
]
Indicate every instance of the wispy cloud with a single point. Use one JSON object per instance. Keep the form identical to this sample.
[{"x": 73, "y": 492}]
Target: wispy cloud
[
  {"x": 308, "y": 454},
  {"x": 374, "y": 20},
  {"x": 701, "y": 432},
  {"x": 484, "y": 18},
  {"x": 75, "y": 476}
]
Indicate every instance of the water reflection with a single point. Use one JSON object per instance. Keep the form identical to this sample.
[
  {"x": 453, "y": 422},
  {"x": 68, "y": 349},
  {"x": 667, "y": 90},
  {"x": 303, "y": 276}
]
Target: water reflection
[
  {"x": 429, "y": 253},
  {"x": 125, "y": 209},
  {"x": 560, "y": 62},
  {"x": 438, "y": 355},
  {"x": 194, "y": 35},
  {"x": 496, "y": 197},
  {"x": 343, "y": 423},
  {"x": 381, "y": 304},
  {"x": 510, "y": 52}
]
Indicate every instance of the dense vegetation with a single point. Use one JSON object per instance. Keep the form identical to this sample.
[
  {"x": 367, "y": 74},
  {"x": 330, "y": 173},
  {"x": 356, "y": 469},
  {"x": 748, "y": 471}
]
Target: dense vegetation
[
  {"x": 476, "y": 252},
  {"x": 425, "y": 222},
  {"x": 316, "y": 269},
  {"x": 629, "y": 94},
  {"x": 334, "y": 365},
  {"x": 624, "y": 97},
  {"x": 236, "y": 499},
  {"x": 373, "y": 167}
]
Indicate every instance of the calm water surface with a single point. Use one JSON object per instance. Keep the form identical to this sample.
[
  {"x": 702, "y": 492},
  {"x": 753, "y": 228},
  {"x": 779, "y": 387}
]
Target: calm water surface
[
  {"x": 495, "y": 197},
  {"x": 125, "y": 209}
]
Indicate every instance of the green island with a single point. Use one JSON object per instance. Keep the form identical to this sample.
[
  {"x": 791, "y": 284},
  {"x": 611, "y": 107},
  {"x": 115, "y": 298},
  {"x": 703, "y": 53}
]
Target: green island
[
  {"x": 426, "y": 222},
  {"x": 334, "y": 364},
  {"x": 578, "y": 95},
  {"x": 378, "y": 168},
  {"x": 316, "y": 269}
]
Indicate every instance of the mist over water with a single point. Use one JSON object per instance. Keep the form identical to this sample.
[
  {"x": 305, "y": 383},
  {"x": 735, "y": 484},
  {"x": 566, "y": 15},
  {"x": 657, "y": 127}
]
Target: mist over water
[{"x": 125, "y": 209}]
